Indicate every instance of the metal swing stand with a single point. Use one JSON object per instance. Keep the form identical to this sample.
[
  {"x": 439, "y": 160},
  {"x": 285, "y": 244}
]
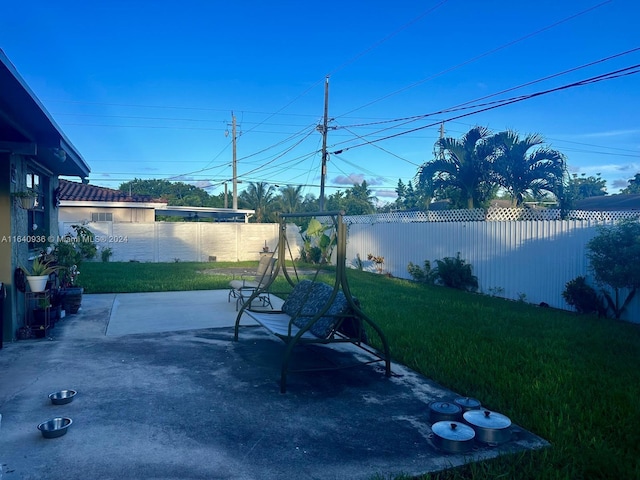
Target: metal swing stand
[{"x": 314, "y": 312}]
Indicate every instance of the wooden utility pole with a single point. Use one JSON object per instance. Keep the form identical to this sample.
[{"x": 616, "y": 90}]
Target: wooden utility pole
[
  {"x": 235, "y": 165},
  {"x": 323, "y": 172}
]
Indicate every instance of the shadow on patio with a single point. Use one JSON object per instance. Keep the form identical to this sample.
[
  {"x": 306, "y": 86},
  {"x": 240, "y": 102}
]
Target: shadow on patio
[{"x": 168, "y": 394}]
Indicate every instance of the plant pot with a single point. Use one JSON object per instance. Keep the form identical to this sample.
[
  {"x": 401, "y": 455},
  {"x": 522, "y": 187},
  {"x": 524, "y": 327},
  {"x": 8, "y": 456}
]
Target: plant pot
[
  {"x": 28, "y": 203},
  {"x": 23, "y": 333},
  {"x": 72, "y": 299},
  {"x": 37, "y": 283},
  {"x": 55, "y": 315}
]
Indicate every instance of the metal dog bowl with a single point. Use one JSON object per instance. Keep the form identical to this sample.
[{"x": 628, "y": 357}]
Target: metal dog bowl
[
  {"x": 56, "y": 427},
  {"x": 62, "y": 397}
]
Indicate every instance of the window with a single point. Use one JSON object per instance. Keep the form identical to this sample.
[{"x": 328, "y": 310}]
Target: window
[
  {"x": 38, "y": 224},
  {"x": 102, "y": 217}
]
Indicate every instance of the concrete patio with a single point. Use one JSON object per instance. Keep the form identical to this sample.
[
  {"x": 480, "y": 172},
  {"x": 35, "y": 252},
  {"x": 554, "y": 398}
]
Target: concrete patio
[{"x": 164, "y": 393}]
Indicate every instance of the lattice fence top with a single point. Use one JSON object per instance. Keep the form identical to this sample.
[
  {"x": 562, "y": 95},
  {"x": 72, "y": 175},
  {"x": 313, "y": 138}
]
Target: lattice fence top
[{"x": 494, "y": 214}]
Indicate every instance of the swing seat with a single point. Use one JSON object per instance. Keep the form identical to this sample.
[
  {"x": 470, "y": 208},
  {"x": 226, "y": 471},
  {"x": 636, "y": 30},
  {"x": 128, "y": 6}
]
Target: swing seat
[
  {"x": 314, "y": 312},
  {"x": 307, "y": 318}
]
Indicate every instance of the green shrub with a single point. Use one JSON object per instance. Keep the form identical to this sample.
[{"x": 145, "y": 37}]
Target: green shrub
[
  {"x": 421, "y": 275},
  {"x": 454, "y": 272},
  {"x": 582, "y": 297},
  {"x": 615, "y": 255}
]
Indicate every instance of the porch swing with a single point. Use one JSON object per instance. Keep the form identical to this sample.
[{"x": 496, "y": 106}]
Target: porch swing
[{"x": 316, "y": 312}]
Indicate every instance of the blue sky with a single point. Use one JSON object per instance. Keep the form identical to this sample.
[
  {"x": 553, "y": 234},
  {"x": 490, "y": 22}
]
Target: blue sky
[{"x": 146, "y": 89}]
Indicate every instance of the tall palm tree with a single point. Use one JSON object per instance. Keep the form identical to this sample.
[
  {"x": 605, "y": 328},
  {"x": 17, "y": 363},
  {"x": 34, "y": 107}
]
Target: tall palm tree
[
  {"x": 462, "y": 164},
  {"x": 259, "y": 197},
  {"x": 521, "y": 171},
  {"x": 291, "y": 199}
]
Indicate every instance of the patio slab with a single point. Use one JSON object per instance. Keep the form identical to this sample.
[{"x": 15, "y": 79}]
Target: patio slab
[{"x": 189, "y": 403}]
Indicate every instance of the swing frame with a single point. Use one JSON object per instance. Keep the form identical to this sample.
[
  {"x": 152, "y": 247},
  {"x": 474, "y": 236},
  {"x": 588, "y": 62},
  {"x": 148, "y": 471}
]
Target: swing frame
[{"x": 297, "y": 328}]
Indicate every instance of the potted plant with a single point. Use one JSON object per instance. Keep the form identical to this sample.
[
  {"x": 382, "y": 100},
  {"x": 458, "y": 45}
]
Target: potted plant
[
  {"x": 27, "y": 199},
  {"x": 70, "y": 252},
  {"x": 38, "y": 275},
  {"x": 39, "y": 325}
]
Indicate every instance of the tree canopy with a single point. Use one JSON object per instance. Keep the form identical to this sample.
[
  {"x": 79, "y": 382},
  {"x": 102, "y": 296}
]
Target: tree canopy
[{"x": 470, "y": 171}]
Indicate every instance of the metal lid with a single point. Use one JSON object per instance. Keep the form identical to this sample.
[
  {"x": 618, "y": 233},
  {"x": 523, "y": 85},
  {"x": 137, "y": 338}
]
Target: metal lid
[
  {"x": 445, "y": 407},
  {"x": 487, "y": 419},
  {"x": 453, "y": 431},
  {"x": 467, "y": 403}
]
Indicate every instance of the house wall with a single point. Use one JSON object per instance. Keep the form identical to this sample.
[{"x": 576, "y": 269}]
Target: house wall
[
  {"x": 14, "y": 231},
  {"x": 6, "y": 253},
  {"x": 120, "y": 214}
]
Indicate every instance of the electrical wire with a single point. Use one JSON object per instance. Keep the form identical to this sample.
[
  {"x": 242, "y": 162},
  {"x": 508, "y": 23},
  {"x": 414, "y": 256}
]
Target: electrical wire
[
  {"x": 631, "y": 70},
  {"x": 478, "y": 57}
]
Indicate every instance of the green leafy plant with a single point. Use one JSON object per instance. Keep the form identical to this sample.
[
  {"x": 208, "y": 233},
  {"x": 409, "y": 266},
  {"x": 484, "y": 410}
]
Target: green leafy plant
[
  {"x": 358, "y": 262},
  {"x": 106, "y": 254},
  {"x": 421, "y": 275},
  {"x": 317, "y": 245},
  {"x": 582, "y": 296},
  {"x": 40, "y": 267},
  {"x": 25, "y": 194},
  {"x": 615, "y": 255},
  {"x": 71, "y": 251},
  {"x": 454, "y": 272}
]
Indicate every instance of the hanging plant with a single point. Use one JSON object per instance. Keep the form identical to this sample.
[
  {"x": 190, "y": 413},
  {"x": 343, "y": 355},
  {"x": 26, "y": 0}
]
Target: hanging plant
[{"x": 27, "y": 199}]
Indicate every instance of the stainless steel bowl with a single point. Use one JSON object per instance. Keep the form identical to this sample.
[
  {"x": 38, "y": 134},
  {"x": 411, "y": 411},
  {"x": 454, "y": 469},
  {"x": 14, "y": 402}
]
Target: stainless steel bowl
[
  {"x": 62, "y": 397},
  {"x": 56, "y": 427}
]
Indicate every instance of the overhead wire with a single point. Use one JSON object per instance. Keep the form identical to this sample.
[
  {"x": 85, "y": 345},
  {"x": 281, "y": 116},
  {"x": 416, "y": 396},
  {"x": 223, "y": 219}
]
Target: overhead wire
[
  {"x": 478, "y": 57},
  {"x": 631, "y": 70}
]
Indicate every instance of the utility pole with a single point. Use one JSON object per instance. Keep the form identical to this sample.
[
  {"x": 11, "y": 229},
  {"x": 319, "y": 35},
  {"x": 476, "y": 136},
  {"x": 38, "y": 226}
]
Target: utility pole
[
  {"x": 235, "y": 162},
  {"x": 440, "y": 149},
  {"x": 325, "y": 122}
]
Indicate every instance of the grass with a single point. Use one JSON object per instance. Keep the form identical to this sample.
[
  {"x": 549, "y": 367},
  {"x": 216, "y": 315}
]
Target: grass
[{"x": 574, "y": 380}]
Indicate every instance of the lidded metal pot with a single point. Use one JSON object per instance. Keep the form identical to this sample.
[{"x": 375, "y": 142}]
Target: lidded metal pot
[
  {"x": 491, "y": 427},
  {"x": 453, "y": 437},
  {"x": 440, "y": 411},
  {"x": 467, "y": 403}
]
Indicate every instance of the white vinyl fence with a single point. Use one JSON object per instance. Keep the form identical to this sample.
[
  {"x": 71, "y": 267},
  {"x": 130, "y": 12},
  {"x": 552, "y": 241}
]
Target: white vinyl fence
[
  {"x": 517, "y": 254},
  {"x": 520, "y": 260},
  {"x": 186, "y": 241}
]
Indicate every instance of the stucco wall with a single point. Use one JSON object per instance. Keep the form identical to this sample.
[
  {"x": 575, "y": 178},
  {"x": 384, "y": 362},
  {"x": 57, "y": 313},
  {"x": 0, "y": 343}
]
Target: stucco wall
[{"x": 120, "y": 214}]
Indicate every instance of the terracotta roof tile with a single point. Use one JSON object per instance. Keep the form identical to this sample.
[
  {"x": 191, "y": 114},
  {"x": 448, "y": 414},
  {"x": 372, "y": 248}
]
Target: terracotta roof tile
[{"x": 85, "y": 192}]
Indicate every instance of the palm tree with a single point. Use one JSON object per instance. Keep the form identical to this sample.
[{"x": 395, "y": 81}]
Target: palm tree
[
  {"x": 462, "y": 164},
  {"x": 359, "y": 200},
  {"x": 259, "y": 197},
  {"x": 521, "y": 171},
  {"x": 291, "y": 199}
]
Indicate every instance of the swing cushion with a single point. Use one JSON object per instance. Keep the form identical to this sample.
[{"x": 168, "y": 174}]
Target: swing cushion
[{"x": 307, "y": 299}]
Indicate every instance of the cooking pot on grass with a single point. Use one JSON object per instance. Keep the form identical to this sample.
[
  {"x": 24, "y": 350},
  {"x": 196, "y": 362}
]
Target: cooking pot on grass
[
  {"x": 452, "y": 437},
  {"x": 467, "y": 403},
  {"x": 440, "y": 411},
  {"x": 491, "y": 427}
]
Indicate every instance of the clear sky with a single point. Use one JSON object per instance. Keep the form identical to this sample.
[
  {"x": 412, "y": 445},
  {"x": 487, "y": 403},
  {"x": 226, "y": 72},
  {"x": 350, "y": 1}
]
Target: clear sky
[{"x": 147, "y": 89}]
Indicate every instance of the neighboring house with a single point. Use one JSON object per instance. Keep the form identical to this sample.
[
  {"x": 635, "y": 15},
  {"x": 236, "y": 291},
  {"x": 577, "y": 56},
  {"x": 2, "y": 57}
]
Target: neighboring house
[
  {"x": 84, "y": 203},
  {"x": 33, "y": 153},
  {"x": 610, "y": 203},
  {"x": 81, "y": 202}
]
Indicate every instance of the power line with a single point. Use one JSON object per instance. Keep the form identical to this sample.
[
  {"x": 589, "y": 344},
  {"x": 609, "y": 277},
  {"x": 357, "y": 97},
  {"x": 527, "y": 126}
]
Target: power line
[
  {"x": 482, "y": 55},
  {"x": 493, "y": 105}
]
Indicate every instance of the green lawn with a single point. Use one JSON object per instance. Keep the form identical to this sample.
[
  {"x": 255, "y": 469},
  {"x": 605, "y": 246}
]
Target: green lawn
[{"x": 574, "y": 380}]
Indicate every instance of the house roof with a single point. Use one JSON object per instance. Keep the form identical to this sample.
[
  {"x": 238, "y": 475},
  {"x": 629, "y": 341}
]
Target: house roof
[
  {"x": 616, "y": 203},
  {"x": 27, "y": 128},
  {"x": 84, "y": 192}
]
